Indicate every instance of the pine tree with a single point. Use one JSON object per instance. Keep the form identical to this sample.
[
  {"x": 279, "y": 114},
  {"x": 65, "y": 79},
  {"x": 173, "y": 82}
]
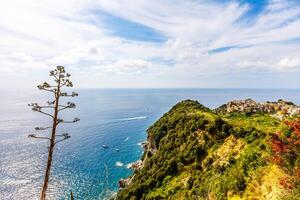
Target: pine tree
[{"x": 52, "y": 109}]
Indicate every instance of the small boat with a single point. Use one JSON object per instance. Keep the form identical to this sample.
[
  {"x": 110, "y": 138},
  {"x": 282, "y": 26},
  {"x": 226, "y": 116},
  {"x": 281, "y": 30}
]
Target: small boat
[
  {"x": 104, "y": 146},
  {"x": 117, "y": 150}
]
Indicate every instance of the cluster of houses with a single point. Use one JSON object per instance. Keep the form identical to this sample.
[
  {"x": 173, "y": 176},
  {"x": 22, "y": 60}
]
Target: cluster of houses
[{"x": 280, "y": 107}]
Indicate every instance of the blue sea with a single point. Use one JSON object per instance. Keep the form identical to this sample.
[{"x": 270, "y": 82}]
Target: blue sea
[{"x": 117, "y": 118}]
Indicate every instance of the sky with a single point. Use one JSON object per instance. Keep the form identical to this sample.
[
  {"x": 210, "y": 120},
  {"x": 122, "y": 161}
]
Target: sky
[{"x": 152, "y": 43}]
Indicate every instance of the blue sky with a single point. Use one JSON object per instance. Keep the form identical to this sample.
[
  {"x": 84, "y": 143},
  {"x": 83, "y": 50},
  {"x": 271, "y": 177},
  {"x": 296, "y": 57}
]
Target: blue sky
[
  {"x": 132, "y": 30},
  {"x": 127, "y": 29},
  {"x": 152, "y": 44}
]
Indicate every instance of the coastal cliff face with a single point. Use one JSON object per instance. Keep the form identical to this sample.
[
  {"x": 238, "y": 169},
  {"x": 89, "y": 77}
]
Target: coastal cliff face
[{"x": 193, "y": 152}]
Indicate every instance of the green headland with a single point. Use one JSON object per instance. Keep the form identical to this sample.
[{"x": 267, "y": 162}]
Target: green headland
[{"x": 241, "y": 150}]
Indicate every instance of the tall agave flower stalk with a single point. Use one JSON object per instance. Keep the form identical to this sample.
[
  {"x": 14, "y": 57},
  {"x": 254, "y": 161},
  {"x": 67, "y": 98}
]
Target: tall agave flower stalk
[{"x": 52, "y": 109}]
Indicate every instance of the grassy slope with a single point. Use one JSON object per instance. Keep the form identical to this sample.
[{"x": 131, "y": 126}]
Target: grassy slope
[{"x": 201, "y": 155}]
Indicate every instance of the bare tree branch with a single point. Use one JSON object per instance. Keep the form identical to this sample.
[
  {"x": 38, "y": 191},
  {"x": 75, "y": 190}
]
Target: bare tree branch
[
  {"x": 54, "y": 74},
  {"x": 66, "y": 107},
  {"x": 47, "y": 106},
  {"x": 61, "y": 121},
  {"x": 42, "y": 128},
  {"x": 45, "y": 85},
  {"x": 37, "y": 137},
  {"x": 63, "y": 135},
  {"x": 49, "y": 90},
  {"x": 67, "y": 137},
  {"x": 43, "y": 113},
  {"x": 62, "y": 85},
  {"x": 64, "y": 94},
  {"x": 69, "y": 105},
  {"x": 67, "y": 83},
  {"x": 38, "y": 108},
  {"x": 50, "y": 102}
]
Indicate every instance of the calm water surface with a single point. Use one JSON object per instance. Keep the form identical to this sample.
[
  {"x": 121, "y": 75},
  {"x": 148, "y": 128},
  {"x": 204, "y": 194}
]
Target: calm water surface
[{"x": 117, "y": 118}]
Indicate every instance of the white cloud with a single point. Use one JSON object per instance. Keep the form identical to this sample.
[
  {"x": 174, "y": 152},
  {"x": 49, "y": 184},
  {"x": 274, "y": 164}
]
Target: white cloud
[
  {"x": 19, "y": 63},
  {"x": 127, "y": 67},
  {"x": 89, "y": 52},
  {"x": 39, "y": 34},
  {"x": 289, "y": 63},
  {"x": 253, "y": 64}
]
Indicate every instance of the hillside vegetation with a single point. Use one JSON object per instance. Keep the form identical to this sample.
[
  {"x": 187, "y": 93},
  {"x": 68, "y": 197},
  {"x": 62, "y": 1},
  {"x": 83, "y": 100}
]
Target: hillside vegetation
[{"x": 193, "y": 152}]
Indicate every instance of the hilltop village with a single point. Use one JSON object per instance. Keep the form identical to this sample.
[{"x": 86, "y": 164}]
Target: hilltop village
[{"x": 279, "y": 109}]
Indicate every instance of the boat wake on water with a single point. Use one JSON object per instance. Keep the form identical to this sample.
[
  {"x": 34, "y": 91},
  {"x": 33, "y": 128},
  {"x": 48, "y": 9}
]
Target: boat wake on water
[{"x": 132, "y": 118}]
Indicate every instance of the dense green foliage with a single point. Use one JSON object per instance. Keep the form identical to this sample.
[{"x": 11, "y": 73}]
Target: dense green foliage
[{"x": 195, "y": 153}]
